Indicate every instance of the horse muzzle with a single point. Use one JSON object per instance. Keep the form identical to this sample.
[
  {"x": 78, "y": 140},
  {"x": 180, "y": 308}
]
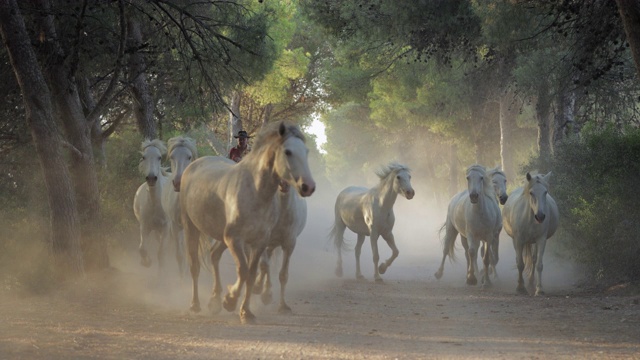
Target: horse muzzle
[
  {"x": 539, "y": 218},
  {"x": 307, "y": 188},
  {"x": 473, "y": 197},
  {"x": 503, "y": 199},
  {"x": 409, "y": 194},
  {"x": 151, "y": 180},
  {"x": 176, "y": 185}
]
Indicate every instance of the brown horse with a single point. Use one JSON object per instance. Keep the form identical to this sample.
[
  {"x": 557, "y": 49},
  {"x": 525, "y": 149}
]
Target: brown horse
[{"x": 236, "y": 204}]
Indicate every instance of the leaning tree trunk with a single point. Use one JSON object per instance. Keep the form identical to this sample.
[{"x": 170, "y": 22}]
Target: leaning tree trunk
[
  {"x": 65, "y": 234},
  {"x": 235, "y": 121},
  {"x": 630, "y": 14},
  {"x": 143, "y": 102},
  {"x": 542, "y": 115},
  {"x": 508, "y": 113},
  {"x": 60, "y": 71}
]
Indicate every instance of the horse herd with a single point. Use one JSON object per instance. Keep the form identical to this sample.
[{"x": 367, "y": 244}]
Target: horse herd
[{"x": 257, "y": 205}]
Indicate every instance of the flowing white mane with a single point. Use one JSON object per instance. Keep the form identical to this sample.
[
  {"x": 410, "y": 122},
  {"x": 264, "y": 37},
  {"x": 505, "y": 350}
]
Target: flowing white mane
[
  {"x": 187, "y": 142},
  {"x": 156, "y": 143},
  {"x": 392, "y": 167}
]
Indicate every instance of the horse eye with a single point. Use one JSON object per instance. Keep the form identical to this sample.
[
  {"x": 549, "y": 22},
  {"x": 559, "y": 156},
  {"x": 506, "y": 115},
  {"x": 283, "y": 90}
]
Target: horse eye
[
  {"x": 287, "y": 152},
  {"x": 398, "y": 177},
  {"x": 143, "y": 158},
  {"x": 159, "y": 157},
  {"x": 189, "y": 158}
]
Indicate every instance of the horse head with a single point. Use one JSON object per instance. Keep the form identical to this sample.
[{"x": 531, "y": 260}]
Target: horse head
[
  {"x": 291, "y": 160},
  {"x": 476, "y": 180},
  {"x": 151, "y": 161},
  {"x": 402, "y": 183},
  {"x": 499, "y": 181},
  {"x": 537, "y": 190},
  {"x": 182, "y": 151}
]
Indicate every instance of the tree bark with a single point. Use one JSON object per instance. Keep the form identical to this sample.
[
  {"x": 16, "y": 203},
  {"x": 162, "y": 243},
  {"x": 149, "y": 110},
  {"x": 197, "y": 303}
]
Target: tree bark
[
  {"x": 65, "y": 231},
  {"x": 564, "y": 118},
  {"x": 60, "y": 69},
  {"x": 508, "y": 113},
  {"x": 235, "y": 121},
  {"x": 542, "y": 115},
  {"x": 630, "y": 15},
  {"x": 142, "y": 99}
]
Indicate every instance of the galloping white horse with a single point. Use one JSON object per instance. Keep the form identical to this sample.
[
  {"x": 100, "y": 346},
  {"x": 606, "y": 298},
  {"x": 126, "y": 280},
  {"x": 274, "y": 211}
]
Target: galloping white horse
[
  {"x": 236, "y": 204},
  {"x": 147, "y": 202},
  {"x": 530, "y": 217},
  {"x": 369, "y": 212},
  {"x": 292, "y": 218},
  {"x": 182, "y": 151},
  {"x": 475, "y": 215}
]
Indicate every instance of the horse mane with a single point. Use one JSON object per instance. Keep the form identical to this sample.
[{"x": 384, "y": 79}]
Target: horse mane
[
  {"x": 392, "y": 167},
  {"x": 187, "y": 142},
  {"x": 156, "y": 143},
  {"x": 535, "y": 179},
  {"x": 494, "y": 171},
  {"x": 487, "y": 187},
  {"x": 271, "y": 131}
]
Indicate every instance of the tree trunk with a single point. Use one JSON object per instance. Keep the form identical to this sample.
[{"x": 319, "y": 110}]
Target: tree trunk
[
  {"x": 143, "y": 102},
  {"x": 508, "y": 113},
  {"x": 267, "y": 114},
  {"x": 630, "y": 14},
  {"x": 60, "y": 71},
  {"x": 65, "y": 233},
  {"x": 97, "y": 139},
  {"x": 235, "y": 121},
  {"x": 564, "y": 118},
  {"x": 542, "y": 115}
]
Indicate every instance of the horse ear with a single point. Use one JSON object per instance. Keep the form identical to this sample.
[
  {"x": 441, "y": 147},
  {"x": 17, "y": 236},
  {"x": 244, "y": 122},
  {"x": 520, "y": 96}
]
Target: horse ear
[
  {"x": 283, "y": 129},
  {"x": 528, "y": 177},
  {"x": 547, "y": 177}
]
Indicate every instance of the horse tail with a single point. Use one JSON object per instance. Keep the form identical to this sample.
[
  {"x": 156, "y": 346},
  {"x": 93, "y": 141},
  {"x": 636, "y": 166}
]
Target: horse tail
[
  {"x": 338, "y": 237},
  {"x": 527, "y": 256},
  {"x": 447, "y": 244}
]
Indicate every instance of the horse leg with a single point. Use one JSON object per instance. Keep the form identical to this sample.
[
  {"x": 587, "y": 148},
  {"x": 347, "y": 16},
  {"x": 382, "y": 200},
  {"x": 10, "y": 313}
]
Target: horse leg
[
  {"x": 263, "y": 282},
  {"x": 358, "y": 251},
  {"x": 192, "y": 238},
  {"x": 176, "y": 236},
  {"x": 145, "y": 260},
  {"x": 215, "y": 301},
  {"x": 242, "y": 271},
  {"x": 494, "y": 252},
  {"x": 162, "y": 235},
  {"x": 376, "y": 256},
  {"x": 394, "y": 252},
  {"x": 473, "y": 262},
  {"x": 519, "y": 247},
  {"x": 465, "y": 245},
  {"x": 246, "y": 316},
  {"x": 486, "y": 260},
  {"x": 284, "y": 277},
  {"x": 540, "y": 245},
  {"x": 449, "y": 240}
]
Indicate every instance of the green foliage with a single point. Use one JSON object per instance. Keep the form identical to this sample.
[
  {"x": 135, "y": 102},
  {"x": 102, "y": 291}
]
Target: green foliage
[{"x": 594, "y": 182}]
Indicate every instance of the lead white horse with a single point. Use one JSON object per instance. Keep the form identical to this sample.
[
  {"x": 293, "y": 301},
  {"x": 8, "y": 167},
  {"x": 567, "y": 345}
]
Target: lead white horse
[
  {"x": 475, "y": 215},
  {"x": 147, "y": 205},
  {"x": 530, "y": 217},
  {"x": 236, "y": 204},
  {"x": 369, "y": 212},
  {"x": 292, "y": 217},
  {"x": 182, "y": 151}
]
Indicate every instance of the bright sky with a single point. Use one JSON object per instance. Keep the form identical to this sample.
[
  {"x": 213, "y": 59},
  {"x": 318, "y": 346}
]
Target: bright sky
[{"x": 317, "y": 128}]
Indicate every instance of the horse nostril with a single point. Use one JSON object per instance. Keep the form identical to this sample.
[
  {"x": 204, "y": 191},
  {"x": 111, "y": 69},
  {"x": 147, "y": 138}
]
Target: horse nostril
[{"x": 305, "y": 188}]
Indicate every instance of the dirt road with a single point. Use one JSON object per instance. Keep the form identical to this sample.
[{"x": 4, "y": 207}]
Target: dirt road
[{"x": 127, "y": 316}]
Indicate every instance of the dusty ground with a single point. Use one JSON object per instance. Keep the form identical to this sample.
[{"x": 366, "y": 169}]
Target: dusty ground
[
  {"x": 129, "y": 315},
  {"x": 132, "y": 313}
]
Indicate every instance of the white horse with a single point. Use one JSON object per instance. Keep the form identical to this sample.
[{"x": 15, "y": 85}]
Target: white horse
[
  {"x": 369, "y": 212},
  {"x": 182, "y": 151},
  {"x": 292, "y": 218},
  {"x": 530, "y": 217},
  {"x": 147, "y": 202},
  {"x": 475, "y": 215},
  {"x": 499, "y": 181},
  {"x": 236, "y": 204}
]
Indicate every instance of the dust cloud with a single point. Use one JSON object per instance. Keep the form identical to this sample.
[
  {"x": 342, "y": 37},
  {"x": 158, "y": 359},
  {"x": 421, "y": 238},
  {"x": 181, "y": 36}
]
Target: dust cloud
[{"x": 313, "y": 262}]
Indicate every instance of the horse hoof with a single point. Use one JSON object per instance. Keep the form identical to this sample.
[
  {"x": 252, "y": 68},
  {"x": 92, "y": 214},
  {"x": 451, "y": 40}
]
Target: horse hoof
[
  {"x": 247, "y": 317},
  {"x": 382, "y": 268},
  {"x": 214, "y": 306},
  {"x": 438, "y": 274},
  {"x": 195, "y": 308},
  {"x": 522, "y": 290},
  {"x": 229, "y": 303},
  {"x": 146, "y": 262},
  {"x": 472, "y": 281},
  {"x": 284, "y": 309},
  {"x": 379, "y": 280},
  {"x": 339, "y": 272},
  {"x": 539, "y": 292},
  {"x": 266, "y": 298},
  {"x": 360, "y": 277}
]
